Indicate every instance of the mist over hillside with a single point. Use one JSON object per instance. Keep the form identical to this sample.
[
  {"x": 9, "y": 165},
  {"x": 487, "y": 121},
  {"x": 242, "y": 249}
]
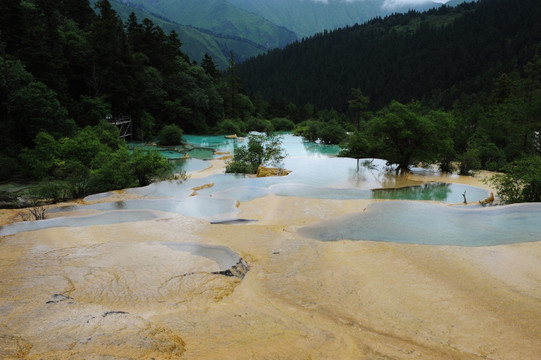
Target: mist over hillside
[
  {"x": 307, "y": 17},
  {"x": 251, "y": 27}
]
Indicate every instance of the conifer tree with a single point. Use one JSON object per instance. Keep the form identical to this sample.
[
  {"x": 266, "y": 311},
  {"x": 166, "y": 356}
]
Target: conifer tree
[{"x": 210, "y": 67}]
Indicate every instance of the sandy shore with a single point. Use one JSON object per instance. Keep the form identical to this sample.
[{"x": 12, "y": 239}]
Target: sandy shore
[{"x": 114, "y": 291}]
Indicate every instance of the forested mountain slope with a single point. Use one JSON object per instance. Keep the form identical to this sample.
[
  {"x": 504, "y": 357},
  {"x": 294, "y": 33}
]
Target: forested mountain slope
[
  {"x": 439, "y": 56},
  {"x": 251, "y": 27},
  {"x": 218, "y": 17},
  {"x": 68, "y": 67},
  {"x": 197, "y": 42}
]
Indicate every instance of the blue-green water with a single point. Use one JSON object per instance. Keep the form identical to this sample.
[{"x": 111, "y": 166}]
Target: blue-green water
[
  {"x": 109, "y": 217},
  {"x": 190, "y": 165},
  {"x": 204, "y": 207},
  {"x": 317, "y": 173},
  {"x": 434, "y": 224},
  {"x": 225, "y": 257}
]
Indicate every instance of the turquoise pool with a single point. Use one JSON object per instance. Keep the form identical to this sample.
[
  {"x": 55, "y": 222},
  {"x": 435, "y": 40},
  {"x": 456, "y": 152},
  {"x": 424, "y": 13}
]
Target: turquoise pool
[
  {"x": 412, "y": 222},
  {"x": 317, "y": 173}
]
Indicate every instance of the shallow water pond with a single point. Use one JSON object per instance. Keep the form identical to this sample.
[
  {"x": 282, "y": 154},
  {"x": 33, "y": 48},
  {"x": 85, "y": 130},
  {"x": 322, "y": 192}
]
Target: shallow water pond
[
  {"x": 225, "y": 257},
  {"x": 434, "y": 224},
  {"x": 105, "y": 218},
  {"x": 316, "y": 173}
]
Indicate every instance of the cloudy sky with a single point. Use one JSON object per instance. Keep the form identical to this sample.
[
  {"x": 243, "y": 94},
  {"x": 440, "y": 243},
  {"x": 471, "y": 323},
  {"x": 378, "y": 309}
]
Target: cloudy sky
[{"x": 394, "y": 3}]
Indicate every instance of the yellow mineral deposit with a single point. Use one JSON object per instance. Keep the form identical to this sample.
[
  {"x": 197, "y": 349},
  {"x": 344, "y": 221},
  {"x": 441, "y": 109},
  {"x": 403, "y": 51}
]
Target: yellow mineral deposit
[
  {"x": 488, "y": 200},
  {"x": 263, "y": 171},
  {"x": 122, "y": 292},
  {"x": 201, "y": 187}
]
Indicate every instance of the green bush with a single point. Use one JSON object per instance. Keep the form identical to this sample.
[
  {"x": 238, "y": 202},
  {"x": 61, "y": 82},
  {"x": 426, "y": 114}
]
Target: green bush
[
  {"x": 230, "y": 127},
  {"x": 331, "y": 133},
  {"x": 308, "y": 130},
  {"x": 239, "y": 167},
  {"x": 48, "y": 191},
  {"x": 357, "y": 146},
  {"x": 259, "y": 125},
  {"x": 261, "y": 150},
  {"x": 521, "y": 181},
  {"x": 41, "y": 161},
  {"x": 282, "y": 124},
  {"x": 170, "y": 135},
  {"x": 111, "y": 171},
  {"x": 148, "y": 165}
]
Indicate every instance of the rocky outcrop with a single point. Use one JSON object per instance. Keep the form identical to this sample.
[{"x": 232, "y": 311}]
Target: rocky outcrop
[
  {"x": 238, "y": 270},
  {"x": 489, "y": 200},
  {"x": 263, "y": 171}
]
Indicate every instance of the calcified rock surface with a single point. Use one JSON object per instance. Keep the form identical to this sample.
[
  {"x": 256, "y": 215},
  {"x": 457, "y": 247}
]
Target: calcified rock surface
[{"x": 118, "y": 291}]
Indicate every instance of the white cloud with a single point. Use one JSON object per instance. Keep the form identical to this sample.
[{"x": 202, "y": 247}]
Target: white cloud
[{"x": 390, "y": 4}]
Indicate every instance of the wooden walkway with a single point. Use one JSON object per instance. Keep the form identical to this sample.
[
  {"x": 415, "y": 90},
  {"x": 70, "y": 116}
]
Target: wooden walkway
[{"x": 124, "y": 124}]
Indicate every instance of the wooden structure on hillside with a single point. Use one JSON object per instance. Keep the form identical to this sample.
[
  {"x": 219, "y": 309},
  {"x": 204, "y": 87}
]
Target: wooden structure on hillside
[{"x": 124, "y": 124}]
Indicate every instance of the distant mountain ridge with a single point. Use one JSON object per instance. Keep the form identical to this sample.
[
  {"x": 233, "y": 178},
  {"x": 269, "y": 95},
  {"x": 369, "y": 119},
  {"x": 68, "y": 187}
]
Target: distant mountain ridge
[
  {"x": 195, "y": 42},
  {"x": 250, "y": 27},
  {"x": 308, "y": 17},
  {"x": 219, "y": 17}
]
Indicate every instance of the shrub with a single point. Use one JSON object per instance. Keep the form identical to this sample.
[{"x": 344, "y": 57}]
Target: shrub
[
  {"x": 469, "y": 161},
  {"x": 48, "y": 191},
  {"x": 308, "y": 130},
  {"x": 331, "y": 133},
  {"x": 282, "y": 124},
  {"x": 230, "y": 127},
  {"x": 170, "y": 135},
  {"x": 357, "y": 146},
  {"x": 521, "y": 181},
  {"x": 260, "y": 150},
  {"x": 41, "y": 161},
  {"x": 148, "y": 166}
]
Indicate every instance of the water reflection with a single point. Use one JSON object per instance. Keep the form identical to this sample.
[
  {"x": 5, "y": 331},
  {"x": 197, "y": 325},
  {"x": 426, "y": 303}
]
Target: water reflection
[
  {"x": 375, "y": 173},
  {"x": 425, "y": 223},
  {"x": 225, "y": 257},
  {"x": 315, "y": 174},
  {"x": 197, "y": 207},
  {"x": 190, "y": 165},
  {"x": 431, "y": 191},
  {"x": 110, "y": 217}
]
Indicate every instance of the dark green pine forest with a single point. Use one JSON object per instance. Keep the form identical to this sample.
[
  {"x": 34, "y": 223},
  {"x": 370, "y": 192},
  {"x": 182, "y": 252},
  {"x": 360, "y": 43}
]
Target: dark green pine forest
[
  {"x": 459, "y": 86},
  {"x": 66, "y": 67},
  {"x": 456, "y": 86},
  {"x": 436, "y": 56}
]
